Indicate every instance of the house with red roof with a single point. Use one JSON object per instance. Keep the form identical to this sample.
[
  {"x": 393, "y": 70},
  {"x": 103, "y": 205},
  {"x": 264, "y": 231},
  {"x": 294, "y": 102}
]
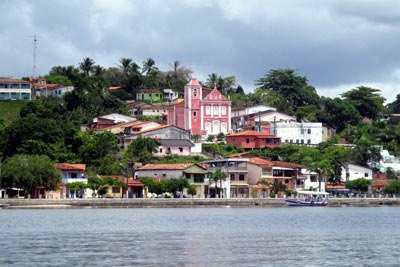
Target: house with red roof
[
  {"x": 253, "y": 140},
  {"x": 14, "y": 89},
  {"x": 203, "y": 111},
  {"x": 71, "y": 173}
]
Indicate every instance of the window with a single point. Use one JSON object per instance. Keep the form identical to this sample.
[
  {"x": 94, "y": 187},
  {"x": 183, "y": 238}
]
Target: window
[
  {"x": 302, "y": 131},
  {"x": 309, "y": 131},
  {"x": 224, "y": 127},
  {"x": 181, "y": 149},
  {"x": 164, "y": 175},
  {"x": 216, "y": 127},
  {"x": 223, "y": 111},
  {"x": 291, "y": 141},
  {"x": 241, "y": 191},
  {"x": 160, "y": 150},
  {"x": 115, "y": 190},
  {"x": 309, "y": 141},
  {"x": 247, "y": 140},
  {"x": 297, "y": 141},
  {"x": 286, "y": 140},
  {"x": 168, "y": 150},
  {"x": 216, "y": 110},
  {"x": 232, "y": 177},
  {"x": 286, "y": 181},
  {"x": 194, "y": 113},
  {"x": 208, "y": 110},
  {"x": 150, "y": 95},
  {"x": 74, "y": 175},
  {"x": 241, "y": 177},
  {"x": 195, "y": 92},
  {"x": 313, "y": 178},
  {"x": 302, "y": 141},
  {"x": 366, "y": 174}
]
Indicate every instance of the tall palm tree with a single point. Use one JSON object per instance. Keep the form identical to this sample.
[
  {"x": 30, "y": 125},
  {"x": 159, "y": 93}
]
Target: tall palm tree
[
  {"x": 212, "y": 80},
  {"x": 135, "y": 67},
  {"x": 98, "y": 70},
  {"x": 125, "y": 64},
  {"x": 86, "y": 65},
  {"x": 216, "y": 176},
  {"x": 175, "y": 68},
  {"x": 148, "y": 65},
  {"x": 278, "y": 186}
]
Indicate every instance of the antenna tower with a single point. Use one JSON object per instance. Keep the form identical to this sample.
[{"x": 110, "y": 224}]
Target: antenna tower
[{"x": 34, "y": 56}]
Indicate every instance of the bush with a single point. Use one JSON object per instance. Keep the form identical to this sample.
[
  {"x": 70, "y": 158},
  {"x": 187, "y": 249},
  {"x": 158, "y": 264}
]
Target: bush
[
  {"x": 360, "y": 184},
  {"x": 393, "y": 187}
]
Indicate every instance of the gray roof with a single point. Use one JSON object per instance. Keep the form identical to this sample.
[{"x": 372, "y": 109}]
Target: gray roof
[{"x": 174, "y": 142}]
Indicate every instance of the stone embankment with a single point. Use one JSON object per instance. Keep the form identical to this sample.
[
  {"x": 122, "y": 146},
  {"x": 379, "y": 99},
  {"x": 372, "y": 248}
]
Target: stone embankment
[{"x": 178, "y": 203}]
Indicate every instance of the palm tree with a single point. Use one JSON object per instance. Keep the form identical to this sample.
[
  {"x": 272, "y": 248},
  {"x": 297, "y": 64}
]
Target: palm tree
[
  {"x": 148, "y": 65},
  {"x": 86, "y": 65},
  {"x": 175, "y": 67},
  {"x": 278, "y": 186},
  {"x": 98, "y": 70},
  {"x": 212, "y": 80},
  {"x": 135, "y": 67},
  {"x": 125, "y": 64},
  {"x": 216, "y": 176},
  {"x": 323, "y": 168}
]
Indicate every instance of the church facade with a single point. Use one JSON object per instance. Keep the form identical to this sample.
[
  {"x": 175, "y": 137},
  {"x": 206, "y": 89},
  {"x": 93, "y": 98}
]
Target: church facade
[{"x": 204, "y": 111}]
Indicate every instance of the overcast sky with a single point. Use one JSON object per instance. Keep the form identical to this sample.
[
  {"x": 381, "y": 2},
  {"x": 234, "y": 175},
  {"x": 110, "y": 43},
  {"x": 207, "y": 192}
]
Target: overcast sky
[{"x": 337, "y": 45}]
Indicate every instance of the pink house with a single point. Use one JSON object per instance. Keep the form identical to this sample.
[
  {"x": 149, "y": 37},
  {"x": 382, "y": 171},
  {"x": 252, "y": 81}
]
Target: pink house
[
  {"x": 203, "y": 111},
  {"x": 175, "y": 146}
]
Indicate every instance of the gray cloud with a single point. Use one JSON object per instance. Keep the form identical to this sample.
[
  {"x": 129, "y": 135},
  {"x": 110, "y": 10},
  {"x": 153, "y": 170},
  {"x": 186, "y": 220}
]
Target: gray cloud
[{"x": 336, "y": 44}]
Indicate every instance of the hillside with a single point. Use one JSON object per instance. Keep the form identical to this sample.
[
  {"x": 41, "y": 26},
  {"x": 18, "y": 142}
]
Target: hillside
[{"x": 9, "y": 110}]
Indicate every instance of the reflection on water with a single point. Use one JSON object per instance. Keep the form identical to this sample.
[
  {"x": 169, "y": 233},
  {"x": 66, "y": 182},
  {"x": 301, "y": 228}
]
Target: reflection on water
[{"x": 201, "y": 237}]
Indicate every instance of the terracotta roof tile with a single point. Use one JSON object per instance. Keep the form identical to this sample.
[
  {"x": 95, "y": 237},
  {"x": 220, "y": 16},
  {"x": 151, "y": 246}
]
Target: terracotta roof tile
[
  {"x": 4, "y": 80},
  {"x": 70, "y": 167},
  {"x": 175, "y": 166},
  {"x": 252, "y": 133}
]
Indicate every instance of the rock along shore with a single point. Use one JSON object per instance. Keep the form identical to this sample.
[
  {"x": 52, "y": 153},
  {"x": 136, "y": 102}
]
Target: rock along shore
[{"x": 178, "y": 203}]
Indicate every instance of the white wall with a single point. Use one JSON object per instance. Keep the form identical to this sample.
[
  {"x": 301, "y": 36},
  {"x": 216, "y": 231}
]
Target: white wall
[
  {"x": 356, "y": 172},
  {"x": 308, "y": 183},
  {"x": 293, "y": 131},
  {"x": 276, "y": 116}
]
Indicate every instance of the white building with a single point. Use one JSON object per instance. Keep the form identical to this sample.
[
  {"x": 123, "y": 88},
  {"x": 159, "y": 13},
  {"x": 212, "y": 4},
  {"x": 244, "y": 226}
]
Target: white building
[
  {"x": 292, "y": 132},
  {"x": 388, "y": 161},
  {"x": 238, "y": 112},
  {"x": 311, "y": 182},
  {"x": 170, "y": 94},
  {"x": 14, "y": 89},
  {"x": 353, "y": 171}
]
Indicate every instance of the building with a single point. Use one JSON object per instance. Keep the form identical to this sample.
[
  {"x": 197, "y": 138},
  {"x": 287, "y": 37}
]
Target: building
[
  {"x": 181, "y": 147},
  {"x": 353, "y": 171},
  {"x": 301, "y": 133},
  {"x": 71, "y": 173},
  {"x": 15, "y": 89},
  {"x": 149, "y": 95},
  {"x": 195, "y": 174},
  {"x": 327, "y": 132},
  {"x": 254, "y": 120},
  {"x": 253, "y": 140},
  {"x": 170, "y": 94},
  {"x": 240, "y": 112},
  {"x": 202, "y": 112},
  {"x": 157, "y": 132},
  {"x": 113, "y": 119},
  {"x": 236, "y": 184}
]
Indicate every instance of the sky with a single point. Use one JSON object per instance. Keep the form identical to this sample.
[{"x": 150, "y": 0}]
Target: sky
[{"x": 338, "y": 45}]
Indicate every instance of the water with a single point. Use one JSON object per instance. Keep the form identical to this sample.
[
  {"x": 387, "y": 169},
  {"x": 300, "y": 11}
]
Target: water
[{"x": 201, "y": 237}]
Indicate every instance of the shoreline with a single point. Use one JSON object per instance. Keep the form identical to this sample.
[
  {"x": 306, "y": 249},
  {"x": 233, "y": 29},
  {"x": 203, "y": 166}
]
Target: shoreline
[{"x": 181, "y": 203}]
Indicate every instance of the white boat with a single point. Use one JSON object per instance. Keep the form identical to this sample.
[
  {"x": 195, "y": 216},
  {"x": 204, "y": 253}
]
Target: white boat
[{"x": 308, "y": 198}]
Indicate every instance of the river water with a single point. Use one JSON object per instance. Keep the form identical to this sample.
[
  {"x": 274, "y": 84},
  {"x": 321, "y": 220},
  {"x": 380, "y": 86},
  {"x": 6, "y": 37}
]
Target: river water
[{"x": 309, "y": 236}]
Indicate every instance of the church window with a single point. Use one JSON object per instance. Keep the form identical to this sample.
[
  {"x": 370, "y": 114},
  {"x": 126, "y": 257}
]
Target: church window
[
  {"x": 223, "y": 111},
  {"x": 216, "y": 110},
  {"x": 195, "y": 92},
  {"x": 194, "y": 113},
  {"x": 208, "y": 110}
]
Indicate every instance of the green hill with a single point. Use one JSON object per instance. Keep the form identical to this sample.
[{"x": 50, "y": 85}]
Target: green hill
[{"x": 9, "y": 110}]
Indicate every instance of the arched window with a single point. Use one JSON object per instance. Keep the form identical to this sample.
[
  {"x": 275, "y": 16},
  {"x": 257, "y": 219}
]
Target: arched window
[
  {"x": 195, "y": 92},
  {"x": 208, "y": 127},
  {"x": 224, "y": 128},
  {"x": 215, "y": 127}
]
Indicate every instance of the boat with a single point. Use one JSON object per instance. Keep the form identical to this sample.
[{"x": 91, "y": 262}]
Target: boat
[{"x": 308, "y": 198}]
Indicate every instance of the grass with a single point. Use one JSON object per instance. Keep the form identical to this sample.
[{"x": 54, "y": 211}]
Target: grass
[{"x": 9, "y": 110}]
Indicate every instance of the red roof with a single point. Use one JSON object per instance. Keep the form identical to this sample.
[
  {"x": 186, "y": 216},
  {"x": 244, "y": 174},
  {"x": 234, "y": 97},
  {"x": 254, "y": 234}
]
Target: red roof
[
  {"x": 155, "y": 128},
  {"x": 261, "y": 162},
  {"x": 193, "y": 82},
  {"x": 148, "y": 90},
  {"x": 70, "y": 167},
  {"x": 115, "y": 87},
  {"x": 48, "y": 85},
  {"x": 174, "y": 166},
  {"x": 215, "y": 95},
  {"x": 5, "y": 80},
  {"x": 252, "y": 133},
  {"x": 287, "y": 164}
]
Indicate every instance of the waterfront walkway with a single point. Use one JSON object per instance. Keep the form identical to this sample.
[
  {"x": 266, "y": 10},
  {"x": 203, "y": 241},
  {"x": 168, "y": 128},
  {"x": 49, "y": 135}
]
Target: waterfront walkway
[{"x": 179, "y": 203}]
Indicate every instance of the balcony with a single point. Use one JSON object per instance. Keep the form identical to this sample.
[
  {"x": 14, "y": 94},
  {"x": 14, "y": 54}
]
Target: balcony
[{"x": 73, "y": 180}]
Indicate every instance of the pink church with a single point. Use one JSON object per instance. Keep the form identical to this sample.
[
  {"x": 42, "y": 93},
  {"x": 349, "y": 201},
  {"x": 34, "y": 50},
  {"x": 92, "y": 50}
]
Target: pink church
[{"x": 203, "y": 111}]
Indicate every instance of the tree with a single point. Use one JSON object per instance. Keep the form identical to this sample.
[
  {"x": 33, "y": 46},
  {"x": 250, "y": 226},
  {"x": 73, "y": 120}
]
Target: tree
[
  {"x": 270, "y": 98},
  {"x": 216, "y": 176},
  {"x": 75, "y": 187},
  {"x": 366, "y": 100},
  {"x": 360, "y": 184},
  {"x": 277, "y": 187},
  {"x": 30, "y": 172},
  {"x": 210, "y": 138},
  {"x": 58, "y": 79},
  {"x": 239, "y": 90},
  {"x": 294, "y": 88},
  {"x": 393, "y": 187},
  {"x": 366, "y": 152},
  {"x": 337, "y": 113},
  {"x": 125, "y": 64},
  {"x": 96, "y": 147},
  {"x": 196, "y": 137},
  {"x": 141, "y": 150},
  {"x": 212, "y": 80},
  {"x": 148, "y": 65},
  {"x": 221, "y": 137},
  {"x": 192, "y": 190},
  {"x": 179, "y": 72},
  {"x": 86, "y": 65}
]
